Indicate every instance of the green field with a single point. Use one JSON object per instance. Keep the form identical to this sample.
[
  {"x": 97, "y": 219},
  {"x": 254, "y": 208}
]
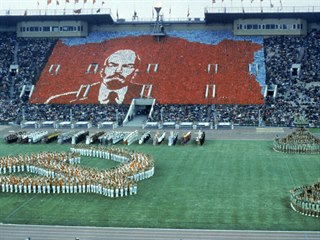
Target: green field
[
  {"x": 314, "y": 130},
  {"x": 221, "y": 185}
]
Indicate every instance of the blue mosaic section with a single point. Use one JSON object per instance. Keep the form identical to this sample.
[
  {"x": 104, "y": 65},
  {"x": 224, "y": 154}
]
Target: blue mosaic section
[
  {"x": 205, "y": 37},
  {"x": 98, "y": 37},
  {"x": 212, "y": 37},
  {"x": 261, "y": 73}
]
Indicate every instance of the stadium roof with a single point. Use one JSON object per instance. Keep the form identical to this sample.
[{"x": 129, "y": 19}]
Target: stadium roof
[
  {"x": 228, "y": 15},
  {"x": 100, "y": 16}
]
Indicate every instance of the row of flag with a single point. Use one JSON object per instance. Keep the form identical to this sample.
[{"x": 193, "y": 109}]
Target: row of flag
[
  {"x": 271, "y": 4},
  {"x": 214, "y": 1},
  {"x": 69, "y": 1}
]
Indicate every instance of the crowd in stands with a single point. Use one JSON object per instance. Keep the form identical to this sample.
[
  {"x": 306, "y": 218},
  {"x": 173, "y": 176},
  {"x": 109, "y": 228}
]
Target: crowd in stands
[
  {"x": 68, "y": 112},
  {"x": 300, "y": 93},
  {"x": 31, "y": 57},
  {"x": 180, "y": 113},
  {"x": 7, "y": 43},
  {"x": 295, "y": 92},
  {"x": 245, "y": 115}
]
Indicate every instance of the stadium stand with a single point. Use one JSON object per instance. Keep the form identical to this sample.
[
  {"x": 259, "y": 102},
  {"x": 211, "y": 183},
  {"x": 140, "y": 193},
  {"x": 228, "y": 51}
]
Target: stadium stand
[
  {"x": 190, "y": 76},
  {"x": 6, "y": 59},
  {"x": 296, "y": 90}
]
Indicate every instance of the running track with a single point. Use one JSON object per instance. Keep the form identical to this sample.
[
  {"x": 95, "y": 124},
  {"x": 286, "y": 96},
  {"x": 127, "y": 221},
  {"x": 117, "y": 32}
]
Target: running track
[{"x": 43, "y": 232}]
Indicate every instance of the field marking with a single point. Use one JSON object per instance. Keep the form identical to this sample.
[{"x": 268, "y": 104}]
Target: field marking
[
  {"x": 18, "y": 208},
  {"x": 292, "y": 181},
  {"x": 270, "y": 130}
]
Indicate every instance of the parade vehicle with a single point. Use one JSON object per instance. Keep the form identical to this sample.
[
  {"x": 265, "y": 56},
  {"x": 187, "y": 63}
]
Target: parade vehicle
[{"x": 145, "y": 137}]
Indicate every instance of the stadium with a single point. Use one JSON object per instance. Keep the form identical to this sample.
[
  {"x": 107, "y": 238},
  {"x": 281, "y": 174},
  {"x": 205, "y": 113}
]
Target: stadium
[{"x": 191, "y": 128}]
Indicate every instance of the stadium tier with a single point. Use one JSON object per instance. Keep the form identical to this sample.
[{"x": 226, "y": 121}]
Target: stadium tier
[{"x": 193, "y": 76}]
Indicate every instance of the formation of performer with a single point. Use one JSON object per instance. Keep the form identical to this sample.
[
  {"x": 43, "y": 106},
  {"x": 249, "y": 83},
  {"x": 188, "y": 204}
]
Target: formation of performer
[
  {"x": 299, "y": 141},
  {"x": 306, "y": 199},
  {"x": 110, "y": 153},
  {"x": 60, "y": 172}
]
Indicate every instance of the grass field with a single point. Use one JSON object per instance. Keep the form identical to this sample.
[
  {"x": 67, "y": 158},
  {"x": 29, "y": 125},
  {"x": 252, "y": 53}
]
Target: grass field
[
  {"x": 314, "y": 130},
  {"x": 221, "y": 185}
]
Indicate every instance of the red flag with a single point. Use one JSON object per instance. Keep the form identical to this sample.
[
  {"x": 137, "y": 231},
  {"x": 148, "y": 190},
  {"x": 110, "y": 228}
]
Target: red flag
[
  {"x": 94, "y": 1},
  {"x": 48, "y": 2}
]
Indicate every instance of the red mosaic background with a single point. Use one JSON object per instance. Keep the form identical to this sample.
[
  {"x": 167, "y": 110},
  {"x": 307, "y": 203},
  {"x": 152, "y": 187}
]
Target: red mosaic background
[{"x": 182, "y": 74}]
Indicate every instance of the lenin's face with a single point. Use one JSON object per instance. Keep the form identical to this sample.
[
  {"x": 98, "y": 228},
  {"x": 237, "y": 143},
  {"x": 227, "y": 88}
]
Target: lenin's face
[{"x": 119, "y": 69}]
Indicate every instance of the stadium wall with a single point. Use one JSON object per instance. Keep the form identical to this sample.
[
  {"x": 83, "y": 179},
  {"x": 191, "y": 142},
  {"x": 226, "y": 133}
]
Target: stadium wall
[
  {"x": 269, "y": 27},
  {"x": 168, "y": 26},
  {"x": 313, "y": 26},
  {"x": 8, "y": 28},
  {"x": 54, "y": 29}
]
